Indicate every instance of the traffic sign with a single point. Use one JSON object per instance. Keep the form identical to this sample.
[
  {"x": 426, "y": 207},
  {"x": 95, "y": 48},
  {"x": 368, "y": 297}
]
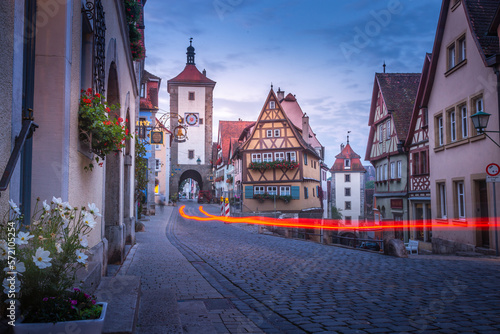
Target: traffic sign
[
  {"x": 493, "y": 178},
  {"x": 493, "y": 170}
]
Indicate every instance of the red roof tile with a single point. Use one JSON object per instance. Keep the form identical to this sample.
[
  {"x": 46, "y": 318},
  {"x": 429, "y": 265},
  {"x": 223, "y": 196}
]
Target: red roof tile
[
  {"x": 229, "y": 130},
  {"x": 190, "y": 74},
  {"x": 348, "y": 153},
  {"x": 399, "y": 91},
  {"x": 481, "y": 14}
]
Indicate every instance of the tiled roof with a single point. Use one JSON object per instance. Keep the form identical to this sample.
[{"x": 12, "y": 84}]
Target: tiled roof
[
  {"x": 399, "y": 91},
  {"x": 146, "y": 76},
  {"x": 190, "y": 74},
  {"x": 348, "y": 153},
  {"x": 481, "y": 14},
  {"x": 229, "y": 130},
  {"x": 295, "y": 114}
]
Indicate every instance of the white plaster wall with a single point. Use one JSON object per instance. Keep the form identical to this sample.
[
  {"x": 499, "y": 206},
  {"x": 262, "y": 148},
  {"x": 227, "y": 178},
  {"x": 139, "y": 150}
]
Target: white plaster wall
[
  {"x": 355, "y": 197},
  {"x": 469, "y": 160},
  {"x": 196, "y": 134}
]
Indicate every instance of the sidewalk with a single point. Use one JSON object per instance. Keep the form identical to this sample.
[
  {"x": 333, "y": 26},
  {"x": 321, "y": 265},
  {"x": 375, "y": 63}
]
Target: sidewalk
[{"x": 174, "y": 296}]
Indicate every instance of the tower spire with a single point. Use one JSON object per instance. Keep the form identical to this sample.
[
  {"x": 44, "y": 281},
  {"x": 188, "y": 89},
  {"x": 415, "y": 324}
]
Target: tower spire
[
  {"x": 384, "y": 66},
  {"x": 190, "y": 53},
  {"x": 348, "y": 132}
]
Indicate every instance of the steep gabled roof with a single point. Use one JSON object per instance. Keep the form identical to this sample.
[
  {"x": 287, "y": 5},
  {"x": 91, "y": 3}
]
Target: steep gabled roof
[
  {"x": 272, "y": 97},
  {"x": 480, "y": 14},
  {"x": 227, "y": 131},
  {"x": 347, "y": 153},
  {"x": 191, "y": 75},
  {"x": 146, "y": 76},
  {"x": 399, "y": 91},
  {"x": 294, "y": 112},
  {"x": 418, "y": 101}
]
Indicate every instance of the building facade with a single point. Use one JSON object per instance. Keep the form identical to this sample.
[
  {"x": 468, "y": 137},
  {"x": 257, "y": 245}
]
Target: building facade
[{"x": 191, "y": 114}]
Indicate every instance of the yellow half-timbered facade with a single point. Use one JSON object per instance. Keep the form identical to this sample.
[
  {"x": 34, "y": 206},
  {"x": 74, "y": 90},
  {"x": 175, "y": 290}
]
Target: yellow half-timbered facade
[{"x": 281, "y": 170}]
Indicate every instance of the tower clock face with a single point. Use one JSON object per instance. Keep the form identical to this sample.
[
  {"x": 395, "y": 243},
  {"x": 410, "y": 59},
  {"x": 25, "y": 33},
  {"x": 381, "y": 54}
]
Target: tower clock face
[{"x": 191, "y": 119}]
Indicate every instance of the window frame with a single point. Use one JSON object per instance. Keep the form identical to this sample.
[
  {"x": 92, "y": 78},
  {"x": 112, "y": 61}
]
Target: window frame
[
  {"x": 267, "y": 157},
  {"x": 259, "y": 190},
  {"x": 291, "y": 156},
  {"x": 191, "y": 96},
  {"x": 347, "y": 191},
  {"x": 279, "y": 156},
  {"x": 393, "y": 170},
  {"x": 460, "y": 199},
  {"x": 452, "y": 122},
  {"x": 388, "y": 129},
  {"x": 399, "y": 168},
  {"x": 277, "y": 133},
  {"x": 347, "y": 178},
  {"x": 441, "y": 191},
  {"x": 269, "y": 133},
  {"x": 272, "y": 190},
  {"x": 464, "y": 121},
  {"x": 190, "y": 154},
  {"x": 285, "y": 191},
  {"x": 440, "y": 130},
  {"x": 347, "y": 205},
  {"x": 272, "y": 105},
  {"x": 256, "y": 157}
]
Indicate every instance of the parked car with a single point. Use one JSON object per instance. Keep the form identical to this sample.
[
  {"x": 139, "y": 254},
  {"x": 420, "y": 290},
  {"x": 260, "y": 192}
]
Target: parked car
[{"x": 371, "y": 245}]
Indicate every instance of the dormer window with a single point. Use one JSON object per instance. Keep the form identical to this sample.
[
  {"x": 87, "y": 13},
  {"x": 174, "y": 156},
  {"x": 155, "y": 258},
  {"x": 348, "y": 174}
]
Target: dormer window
[{"x": 347, "y": 163}]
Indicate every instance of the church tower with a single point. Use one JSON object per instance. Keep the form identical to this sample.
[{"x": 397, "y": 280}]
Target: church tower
[{"x": 191, "y": 112}]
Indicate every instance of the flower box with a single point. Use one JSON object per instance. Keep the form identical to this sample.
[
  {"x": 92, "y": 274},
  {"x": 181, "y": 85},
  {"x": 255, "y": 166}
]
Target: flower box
[{"x": 75, "y": 326}]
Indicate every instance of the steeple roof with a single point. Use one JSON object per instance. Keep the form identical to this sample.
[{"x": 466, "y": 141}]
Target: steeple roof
[
  {"x": 347, "y": 153},
  {"x": 190, "y": 74}
]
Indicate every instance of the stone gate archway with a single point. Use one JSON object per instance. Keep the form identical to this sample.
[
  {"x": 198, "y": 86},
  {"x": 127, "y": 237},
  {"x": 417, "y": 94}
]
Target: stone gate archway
[{"x": 190, "y": 174}]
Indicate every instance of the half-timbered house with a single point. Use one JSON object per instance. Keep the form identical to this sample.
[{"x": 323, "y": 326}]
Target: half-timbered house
[
  {"x": 390, "y": 113},
  {"x": 417, "y": 146},
  {"x": 281, "y": 170}
]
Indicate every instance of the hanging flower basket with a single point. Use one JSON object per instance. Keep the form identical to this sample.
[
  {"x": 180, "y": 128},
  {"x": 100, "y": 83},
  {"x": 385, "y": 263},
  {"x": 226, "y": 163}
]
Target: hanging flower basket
[
  {"x": 103, "y": 133},
  {"x": 282, "y": 164}
]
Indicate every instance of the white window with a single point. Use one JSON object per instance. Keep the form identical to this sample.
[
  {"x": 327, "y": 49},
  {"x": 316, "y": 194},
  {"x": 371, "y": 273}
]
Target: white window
[
  {"x": 388, "y": 130},
  {"x": 291, "y": 156},
  {"x": 442, "y": 199},
  {"x": 143, "y": 90},
  {"x": 272, "y": 190},
  {"x": 381, "y": 133},
  {"x": 453, "y": 126},
  {"x": 256, "y": 157},
  {"x": 440, "y": 130},
  {"x": 305, "y": 159},
  {"x": 269, "y": 133},
  {"x": 460, "y": 199},
  {"x": 267, "y": 157},
  {"x": 451, "y": 56},
  {"x": 279, "y": 156},
  {"x": 479, "y": 104},
  {"x": 347, "y": 163},
  {"x": 393, "y": 170},
  {"x": 158, "y": 165},
  {"x": 465, "y": 130},
  {"x": 258, "y": 190},
  {"x": 272, "y": 104},
  {"x": 277, "y": 132},
  {"x": 462, "y": 49},
  {"x": 285, "y": 191},
  {"x": 347, "y": 178},
  {"x": 399, "y": 168},
  {"x": 385, "y": 172}
]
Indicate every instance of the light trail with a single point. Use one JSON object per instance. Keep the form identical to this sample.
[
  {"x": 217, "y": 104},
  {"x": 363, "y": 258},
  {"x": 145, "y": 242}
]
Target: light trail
[{"x": 333, "y": 224}]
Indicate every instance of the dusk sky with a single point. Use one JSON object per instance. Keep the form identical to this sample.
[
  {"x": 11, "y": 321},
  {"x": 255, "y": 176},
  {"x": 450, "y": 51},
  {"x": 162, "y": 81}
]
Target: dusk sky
[{"x": 324, "y": 52}]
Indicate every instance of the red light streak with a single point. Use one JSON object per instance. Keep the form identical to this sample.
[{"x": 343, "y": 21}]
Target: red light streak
[{"x": 333, "y": 224}]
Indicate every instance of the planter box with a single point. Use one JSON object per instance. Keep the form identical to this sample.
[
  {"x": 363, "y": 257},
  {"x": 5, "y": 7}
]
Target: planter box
[{"x": 93, "y": 326}]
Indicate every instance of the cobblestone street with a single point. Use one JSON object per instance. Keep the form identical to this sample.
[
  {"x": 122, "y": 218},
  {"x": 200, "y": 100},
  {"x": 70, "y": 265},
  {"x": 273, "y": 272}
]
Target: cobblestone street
[{"x": 295, "y": 286}]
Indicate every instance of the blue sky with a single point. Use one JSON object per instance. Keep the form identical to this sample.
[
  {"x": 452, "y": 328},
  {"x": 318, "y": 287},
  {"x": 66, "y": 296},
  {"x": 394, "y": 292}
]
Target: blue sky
[{"x": 325, "y": 52}]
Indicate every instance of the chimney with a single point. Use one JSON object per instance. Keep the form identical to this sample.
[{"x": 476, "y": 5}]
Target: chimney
[
  {"x": 305, "y": 128},
  {"x": 204, "y": 72},
  {"x": 280, "y": 94}
]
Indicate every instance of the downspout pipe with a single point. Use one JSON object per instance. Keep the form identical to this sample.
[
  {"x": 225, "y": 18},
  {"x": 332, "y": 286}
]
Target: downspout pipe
[{"x": 27, "y": 104}]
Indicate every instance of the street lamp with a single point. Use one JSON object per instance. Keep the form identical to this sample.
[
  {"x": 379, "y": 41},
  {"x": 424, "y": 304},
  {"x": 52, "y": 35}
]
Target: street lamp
[
  {"x": 480, "y": 121},
  {"x": 198, "y": 161}
]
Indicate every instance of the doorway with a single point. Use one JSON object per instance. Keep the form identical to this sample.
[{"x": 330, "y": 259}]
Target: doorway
[{"x": 483, "y": 232}]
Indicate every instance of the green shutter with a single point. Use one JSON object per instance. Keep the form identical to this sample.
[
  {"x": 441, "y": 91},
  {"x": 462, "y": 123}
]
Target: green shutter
[
  {"x": 295, "y": 192},
  {"x": 248, "y": 191}
]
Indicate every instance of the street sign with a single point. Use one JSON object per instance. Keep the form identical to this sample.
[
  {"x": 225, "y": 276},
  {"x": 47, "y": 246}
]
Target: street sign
[
  {"x": 493, "y": 170},
  {"x": 493, "y": 178}
]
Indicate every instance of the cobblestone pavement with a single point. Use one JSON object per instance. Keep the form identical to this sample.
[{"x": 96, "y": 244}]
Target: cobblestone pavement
[{"x": 294, "y": 286}]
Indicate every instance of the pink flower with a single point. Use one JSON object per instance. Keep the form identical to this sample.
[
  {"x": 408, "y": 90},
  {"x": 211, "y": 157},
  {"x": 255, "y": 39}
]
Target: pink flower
[
  {"x": 45, "y": 299},
  {"x": 74, "y": 302}
]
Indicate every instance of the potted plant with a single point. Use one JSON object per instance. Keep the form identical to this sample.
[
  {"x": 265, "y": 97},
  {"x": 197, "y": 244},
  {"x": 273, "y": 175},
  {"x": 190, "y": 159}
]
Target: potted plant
[
  {"x": 104, "y": 134},
  {"x": 40, "y": 261}
]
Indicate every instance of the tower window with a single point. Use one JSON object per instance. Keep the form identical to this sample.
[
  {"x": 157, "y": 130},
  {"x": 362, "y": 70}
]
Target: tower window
[
  {"x": 272, "y": 104},
  {"x": 191, "y": 96},
  {"x": 190, "y": 154}
]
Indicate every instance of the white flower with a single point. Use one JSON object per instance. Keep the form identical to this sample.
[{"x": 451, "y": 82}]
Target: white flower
[
  {"x": 6, "y": 285},
  {"x": 67, "y": 206},
  {"x": 41, "y": 258},
  {"x": 3, "y": 250},
  {"x": 18, "y": 267},
  {"x": 83, "y": 240},
  {"x": 23, "y": 237},
  {"x": 58, "y": 247},
  {"x": 89, "y": 220},
  {"x": 46, "y": 207},
  {"x": 57, "y": 201},
  {"x": 81, "y": 257},
  {"x": 14, "y": 207},
  {"x": 94, "y": 210}
]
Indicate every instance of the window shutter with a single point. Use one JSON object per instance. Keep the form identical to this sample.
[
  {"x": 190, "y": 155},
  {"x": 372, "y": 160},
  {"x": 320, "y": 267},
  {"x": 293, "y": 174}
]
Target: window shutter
[
  {"x": 248, "y": 191},
  {"x": 295, "y": 192}
]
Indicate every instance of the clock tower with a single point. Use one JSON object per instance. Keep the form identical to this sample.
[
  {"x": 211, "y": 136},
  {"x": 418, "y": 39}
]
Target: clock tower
[{"x": 191, "y": 111}]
